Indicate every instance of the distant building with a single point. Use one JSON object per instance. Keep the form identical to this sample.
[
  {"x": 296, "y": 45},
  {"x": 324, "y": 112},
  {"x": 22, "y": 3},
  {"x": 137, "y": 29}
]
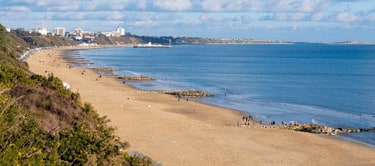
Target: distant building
[
  {"x": 79, "y": 38},
  {"x": 120, "y": 31},
  {"x": 42, "y": 31},
  {"x": 8, "y": 29},
  {"x": 107, "y": 34},
  {"x": 78, "y": 31},
  {"x": 59, "y": 31},
  {"x": 117, "y": 33}
]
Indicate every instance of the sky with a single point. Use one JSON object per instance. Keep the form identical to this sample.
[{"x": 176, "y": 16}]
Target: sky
[{"x": 287, "y": 20}]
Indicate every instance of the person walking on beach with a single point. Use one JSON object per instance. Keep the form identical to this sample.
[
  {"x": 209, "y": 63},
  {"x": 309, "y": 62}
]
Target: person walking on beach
[{"x": 179, "y": 97}]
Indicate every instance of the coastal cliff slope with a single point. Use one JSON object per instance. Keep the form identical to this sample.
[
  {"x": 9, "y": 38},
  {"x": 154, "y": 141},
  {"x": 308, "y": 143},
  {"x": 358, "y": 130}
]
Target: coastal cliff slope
[{"x": 43, "y": 123}]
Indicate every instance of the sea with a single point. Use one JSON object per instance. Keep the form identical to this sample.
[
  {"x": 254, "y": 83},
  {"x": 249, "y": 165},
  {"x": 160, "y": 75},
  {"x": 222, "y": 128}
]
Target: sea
[{"x": 325, "y": 84}]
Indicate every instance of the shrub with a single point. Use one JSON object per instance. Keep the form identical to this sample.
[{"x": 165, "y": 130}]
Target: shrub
[
  {"x": 42, "y": 123},
  {"x": 3, "y": 38}
]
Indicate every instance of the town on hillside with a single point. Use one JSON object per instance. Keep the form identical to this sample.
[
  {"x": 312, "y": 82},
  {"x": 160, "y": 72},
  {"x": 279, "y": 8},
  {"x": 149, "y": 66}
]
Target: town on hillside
[{"x": 120, "y": 37}]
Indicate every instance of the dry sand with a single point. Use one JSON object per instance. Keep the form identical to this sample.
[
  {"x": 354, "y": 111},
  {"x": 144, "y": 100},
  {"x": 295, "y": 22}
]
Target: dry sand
[{"x": 192, "y": 133}]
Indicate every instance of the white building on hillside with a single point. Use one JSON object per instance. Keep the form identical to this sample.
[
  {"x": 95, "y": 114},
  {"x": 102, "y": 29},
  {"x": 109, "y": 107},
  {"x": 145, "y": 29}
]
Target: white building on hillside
[
  {"x": 78, "y": 31},
  {"x": 107, "y": 34},
  {"x": 120, "y": 31},
  {"x": 117, "y": 33},
  {"x": 59, "y": 31},
  {"x": 42, "y": 31}
]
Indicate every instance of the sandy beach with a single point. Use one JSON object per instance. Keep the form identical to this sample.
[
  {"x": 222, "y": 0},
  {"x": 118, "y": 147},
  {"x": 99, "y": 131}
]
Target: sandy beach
[{"x": 183, "y": 132}]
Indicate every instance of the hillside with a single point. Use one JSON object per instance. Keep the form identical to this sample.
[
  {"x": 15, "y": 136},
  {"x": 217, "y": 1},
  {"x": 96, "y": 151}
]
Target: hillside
[{"x": 42, "y": 123}]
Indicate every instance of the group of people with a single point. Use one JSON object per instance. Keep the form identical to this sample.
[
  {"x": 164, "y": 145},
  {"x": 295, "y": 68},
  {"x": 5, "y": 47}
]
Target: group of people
[{"x": 248, "y": 119}]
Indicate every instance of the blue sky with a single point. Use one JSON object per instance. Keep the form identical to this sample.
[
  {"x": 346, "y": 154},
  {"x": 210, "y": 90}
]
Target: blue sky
[{"x": 290, "y": 20}]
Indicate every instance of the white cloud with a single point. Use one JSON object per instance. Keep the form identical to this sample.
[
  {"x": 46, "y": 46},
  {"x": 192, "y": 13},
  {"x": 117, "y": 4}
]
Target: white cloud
[
  {"x": 19, "y": 8},
  {"x": 279, "y": 5},
  {"x": 199, "y": 14},
  {"x": 230, "y": 5},
  {"x": 212, "y": 5},
  {"x": 145, "y": 23},
  {"x": 117, "y": 6},
  {"x": 173, "y": 5},
  {"x": 305, "y": 6},
  {"x": 116, "y": 16},
  {"x": 280, "y": 16},
  {"x": 317, "y": 16},
  {"x": 142, "y": 4},
  {"x": 50, "y": 3},
  {"x": 244, "y": 5},
  {"x": 298, "y": 16},
  {"x": 370, "y": 17},
  {"x": 346, "y": 17},
  {"x": 314, "y": 6}
]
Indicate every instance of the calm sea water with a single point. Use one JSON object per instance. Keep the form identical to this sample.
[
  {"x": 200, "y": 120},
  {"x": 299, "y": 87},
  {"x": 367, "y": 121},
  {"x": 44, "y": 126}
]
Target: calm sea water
[{"x": 309, "y": 83}]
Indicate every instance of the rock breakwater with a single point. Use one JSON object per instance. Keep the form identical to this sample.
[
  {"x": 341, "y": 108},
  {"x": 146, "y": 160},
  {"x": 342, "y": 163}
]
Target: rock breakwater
[
  {"x": 321, "y": 129},
  {"x": 103, "y": 69},
  {"x": 135, "y": 78},
  {"x": 188, "y": 93}
]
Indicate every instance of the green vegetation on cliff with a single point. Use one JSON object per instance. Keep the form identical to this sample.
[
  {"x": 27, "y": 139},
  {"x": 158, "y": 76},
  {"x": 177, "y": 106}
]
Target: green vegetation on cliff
[{"x": 42, "y": 123}]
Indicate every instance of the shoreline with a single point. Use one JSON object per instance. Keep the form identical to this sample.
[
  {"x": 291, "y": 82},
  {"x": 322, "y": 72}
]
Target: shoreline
[
  {"x": 177, "y": 94},
  {"x": 189, "y": 133}
]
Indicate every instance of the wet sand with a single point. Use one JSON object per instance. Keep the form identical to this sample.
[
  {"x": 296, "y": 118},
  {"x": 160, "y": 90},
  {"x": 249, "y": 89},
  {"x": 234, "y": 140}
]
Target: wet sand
[{"x": 183, "y": 132}]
